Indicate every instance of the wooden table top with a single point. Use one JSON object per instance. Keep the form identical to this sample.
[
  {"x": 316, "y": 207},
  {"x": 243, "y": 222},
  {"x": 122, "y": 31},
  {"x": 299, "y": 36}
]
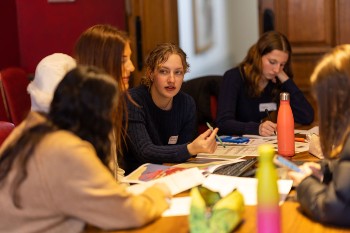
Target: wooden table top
[
  {"x": 291, "y": 218},
  {"x": 292, "y": 221}
]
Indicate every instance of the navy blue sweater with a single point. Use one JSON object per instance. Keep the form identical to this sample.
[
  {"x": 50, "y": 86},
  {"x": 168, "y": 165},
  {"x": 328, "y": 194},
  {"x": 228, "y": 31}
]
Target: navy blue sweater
[
  {"x": 156, "y": 135},
  {"x": 238, "y": 113}
]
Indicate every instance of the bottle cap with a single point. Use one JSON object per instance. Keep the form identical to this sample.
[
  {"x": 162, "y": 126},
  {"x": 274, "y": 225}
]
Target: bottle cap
[
  {"x": 266, "y": 152},
  {"x": 284, "y": 96}
]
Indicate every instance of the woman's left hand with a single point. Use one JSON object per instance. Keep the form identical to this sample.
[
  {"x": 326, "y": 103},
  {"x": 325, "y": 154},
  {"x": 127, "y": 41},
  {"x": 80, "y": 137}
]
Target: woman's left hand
[
  {"x": 204, "y": 143},
  {"x": 282, "y": 76},
  {"x": 307, "y": 169}
]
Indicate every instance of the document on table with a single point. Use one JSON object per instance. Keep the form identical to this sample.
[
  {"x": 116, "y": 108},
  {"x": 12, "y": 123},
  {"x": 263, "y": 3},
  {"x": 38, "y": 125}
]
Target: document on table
[
  {"x": 179, "y": 206},
  {"x": 247, "y": 186},
  {"x": 206, "y": 163},
  {"x": 232, "y": 152},
  {"x": 237, "y": 152},
  {"x": 177, "y": 182},
  {"x": 224, "y": 185},
  {"x": 258, "y": 140},
  {"x": 150, "y": 171},
  {"x": 313, "y": 130}
]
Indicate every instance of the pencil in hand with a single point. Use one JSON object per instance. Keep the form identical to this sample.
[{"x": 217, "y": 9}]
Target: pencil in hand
[
  {"x": 217, "y": 137},
  {"x": 269, "y": 117}
]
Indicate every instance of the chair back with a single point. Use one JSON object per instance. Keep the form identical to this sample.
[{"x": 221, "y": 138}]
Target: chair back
[
  {"x": 14, "y": 82},
  {"x": 4, "y": 112},
  {"x": 204, "y": 91},
  {"x": 5, "y": 129}
]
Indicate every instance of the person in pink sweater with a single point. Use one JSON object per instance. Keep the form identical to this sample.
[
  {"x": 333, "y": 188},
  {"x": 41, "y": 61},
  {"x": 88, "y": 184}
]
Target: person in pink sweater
[{"x": 53, "y": 174}]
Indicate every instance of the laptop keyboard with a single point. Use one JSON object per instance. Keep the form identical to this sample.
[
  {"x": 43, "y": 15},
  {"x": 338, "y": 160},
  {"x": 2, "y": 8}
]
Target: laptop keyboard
[{"x": 237, "y": 169}]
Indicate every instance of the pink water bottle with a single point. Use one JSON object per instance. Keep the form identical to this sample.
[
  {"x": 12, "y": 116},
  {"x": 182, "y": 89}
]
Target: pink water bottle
[
  {"x": 268, "y": 209},
  {"x": 285, "y": 127}
]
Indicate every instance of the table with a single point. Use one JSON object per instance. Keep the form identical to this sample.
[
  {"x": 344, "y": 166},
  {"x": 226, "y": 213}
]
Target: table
[{"x": 292, "y": 219}]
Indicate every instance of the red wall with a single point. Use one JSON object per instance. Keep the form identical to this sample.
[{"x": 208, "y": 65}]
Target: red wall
[
  {"x": 45, "y": 28},
  {"x": 9, "y": 53}
]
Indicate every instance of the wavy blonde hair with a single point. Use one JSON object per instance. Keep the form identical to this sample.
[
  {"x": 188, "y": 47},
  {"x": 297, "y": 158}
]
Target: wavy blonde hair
[{"x": 158, "y": 56}]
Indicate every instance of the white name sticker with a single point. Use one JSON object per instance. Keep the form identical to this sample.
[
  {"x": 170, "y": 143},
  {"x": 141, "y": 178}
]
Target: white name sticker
[
  {"x": 269, "y": 106},
  {"x": 172, "y": 140}
]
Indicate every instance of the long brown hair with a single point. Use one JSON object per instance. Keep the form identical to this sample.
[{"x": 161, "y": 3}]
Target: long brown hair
[
  {"x": 103, "y": 46},
  {"x": 252, "y": 63},
  {"x": 331, "y": 84}
]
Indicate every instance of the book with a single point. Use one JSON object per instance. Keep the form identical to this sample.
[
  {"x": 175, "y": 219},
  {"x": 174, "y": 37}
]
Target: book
[
  {"x": 177, "y": 182},
  {"x": 178, "y": 178},
  {"x": 150, "y": 171},
  {"x": 207, "y": 163}
]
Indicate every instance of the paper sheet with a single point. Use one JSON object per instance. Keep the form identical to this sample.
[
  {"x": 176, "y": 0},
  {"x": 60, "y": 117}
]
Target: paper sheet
[
  {"x": 206, "y": 163},
  {"x": 225, "y": 184},
  {"x": 313, "y": 130},
  {"x": 247, "y": 186},
  {"x": 177, "y": 182},
  {"x": 179, "y": 206},
  {"x": 149, "y": 171},
  {"x": 232, "y": 152},
  {"x": 235, "y": 151}
]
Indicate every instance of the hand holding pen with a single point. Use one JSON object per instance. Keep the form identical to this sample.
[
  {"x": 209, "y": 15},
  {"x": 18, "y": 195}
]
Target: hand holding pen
[
  {"x": 204, "y": 143},
  {"x": 267, "y": 128},
  {"x": 217, "y": 137}
]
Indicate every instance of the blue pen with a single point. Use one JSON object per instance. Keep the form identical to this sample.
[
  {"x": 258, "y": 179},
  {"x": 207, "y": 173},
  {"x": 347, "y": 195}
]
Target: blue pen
[{"x": 217, "y": 137}]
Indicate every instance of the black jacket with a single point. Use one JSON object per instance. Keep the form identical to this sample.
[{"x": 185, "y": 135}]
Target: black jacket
[{"x": 329, "y": 201}]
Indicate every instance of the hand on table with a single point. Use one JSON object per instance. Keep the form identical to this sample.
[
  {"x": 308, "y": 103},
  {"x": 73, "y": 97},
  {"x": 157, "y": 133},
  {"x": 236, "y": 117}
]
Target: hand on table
[{"x": 164, "y": 188}]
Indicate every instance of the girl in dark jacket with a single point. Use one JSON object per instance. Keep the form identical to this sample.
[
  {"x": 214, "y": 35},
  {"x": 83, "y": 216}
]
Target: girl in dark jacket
[{"x": 324, "y": 190}]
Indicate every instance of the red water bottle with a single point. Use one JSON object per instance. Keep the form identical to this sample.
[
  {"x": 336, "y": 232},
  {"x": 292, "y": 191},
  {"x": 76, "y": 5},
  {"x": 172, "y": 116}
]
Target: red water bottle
[{"x": 285, "y": 127}]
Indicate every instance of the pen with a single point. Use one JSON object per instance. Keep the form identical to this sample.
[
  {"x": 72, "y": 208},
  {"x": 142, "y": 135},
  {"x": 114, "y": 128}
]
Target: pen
[
  {"x": 300, "y": 139},
  {"x": 217, "y": 137},
  {"x": 269, "y": 117}
]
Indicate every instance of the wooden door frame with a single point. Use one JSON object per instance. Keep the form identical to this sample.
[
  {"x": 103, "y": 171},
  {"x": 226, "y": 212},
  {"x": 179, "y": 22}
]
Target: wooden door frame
[{"x": 149, "y": 22}]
